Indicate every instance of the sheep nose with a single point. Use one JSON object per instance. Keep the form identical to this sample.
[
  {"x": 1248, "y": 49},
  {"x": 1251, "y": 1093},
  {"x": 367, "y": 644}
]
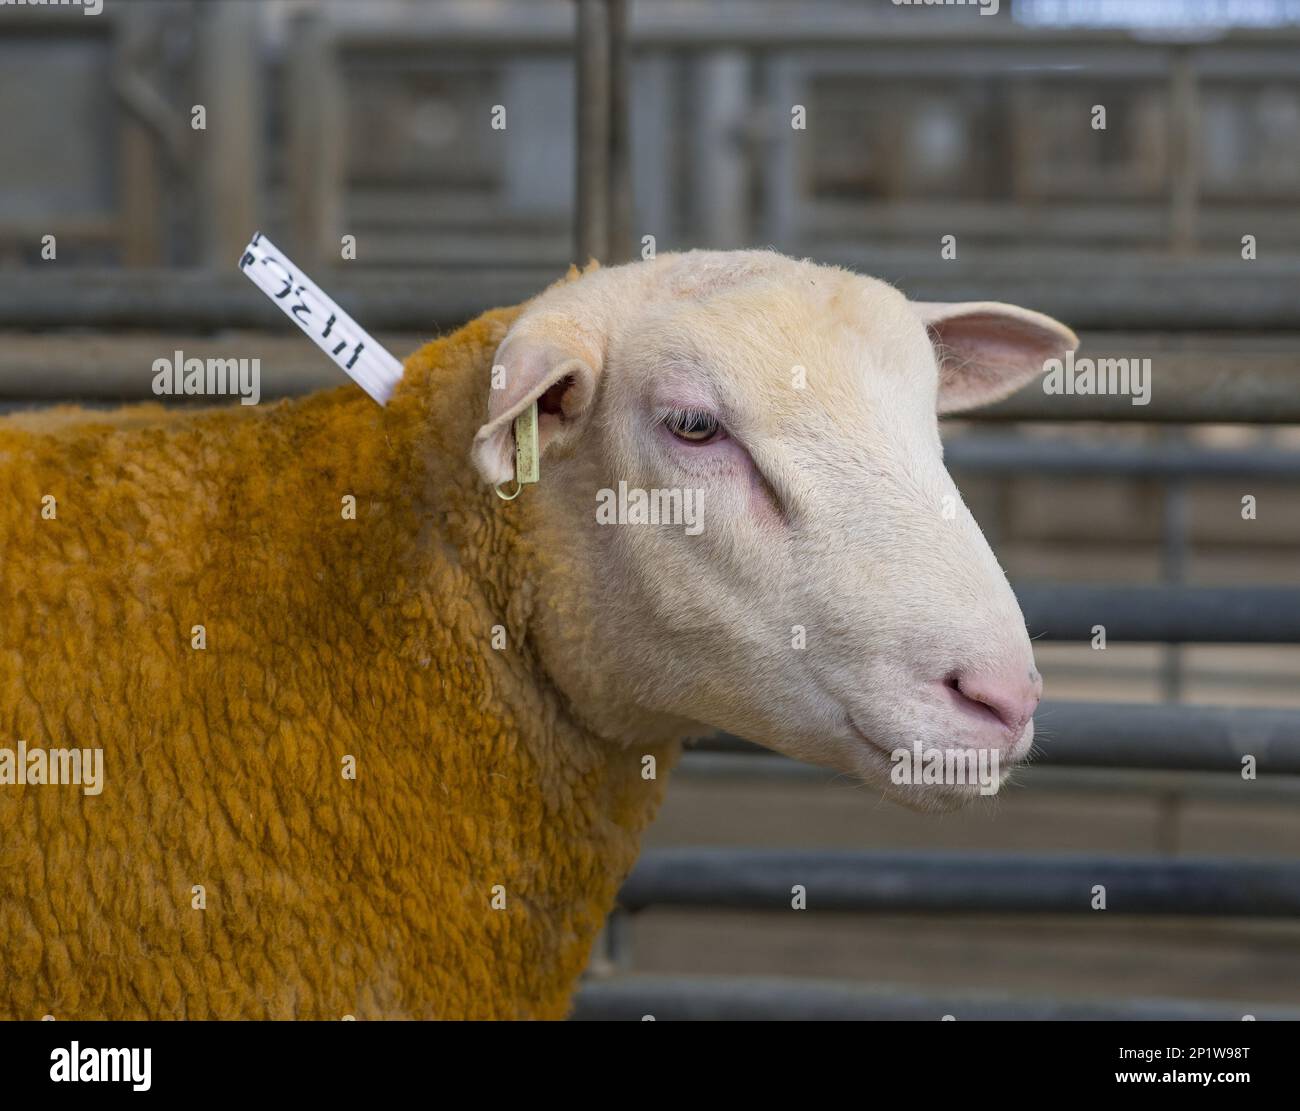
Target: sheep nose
[{"x": 1010, "y": 699}]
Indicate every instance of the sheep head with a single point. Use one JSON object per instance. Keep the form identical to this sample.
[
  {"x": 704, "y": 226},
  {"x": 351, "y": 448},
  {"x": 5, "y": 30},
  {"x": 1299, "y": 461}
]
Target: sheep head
[{"x": 741, "y": 459}]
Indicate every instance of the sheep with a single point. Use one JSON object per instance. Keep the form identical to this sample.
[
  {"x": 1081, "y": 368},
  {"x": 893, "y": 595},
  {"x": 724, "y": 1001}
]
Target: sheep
[{"x": 378, "y": 743}]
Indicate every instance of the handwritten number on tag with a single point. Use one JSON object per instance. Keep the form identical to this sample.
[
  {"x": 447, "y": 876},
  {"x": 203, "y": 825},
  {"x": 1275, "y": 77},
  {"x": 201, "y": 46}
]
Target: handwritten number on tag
[{"x": 373, "y": 368}]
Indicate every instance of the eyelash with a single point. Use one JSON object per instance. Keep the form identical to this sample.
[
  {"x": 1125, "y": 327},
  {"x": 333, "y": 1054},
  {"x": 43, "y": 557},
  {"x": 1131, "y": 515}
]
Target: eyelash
[{"x": 682, "y": 421}]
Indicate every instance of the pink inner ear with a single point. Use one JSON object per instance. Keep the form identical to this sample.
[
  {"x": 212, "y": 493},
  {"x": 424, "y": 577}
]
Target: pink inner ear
[
  {"x": 552, "y": 401},
  {"x": 987, "y": 352},
  {"x": 558, "y": 404},
  {"x": 988, "y": 343}
]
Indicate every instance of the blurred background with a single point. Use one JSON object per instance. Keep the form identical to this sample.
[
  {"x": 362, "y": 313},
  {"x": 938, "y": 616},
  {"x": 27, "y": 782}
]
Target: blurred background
[{"x": 375, "y": 120}]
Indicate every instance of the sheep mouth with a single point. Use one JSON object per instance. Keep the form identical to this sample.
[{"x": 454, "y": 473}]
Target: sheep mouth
[
  {"x": 998, "y": 770},
  {"x": 871, "y": 743}
]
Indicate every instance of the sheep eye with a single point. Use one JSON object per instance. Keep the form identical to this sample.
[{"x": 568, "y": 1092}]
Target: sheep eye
[{"x": 693, "y": 426}]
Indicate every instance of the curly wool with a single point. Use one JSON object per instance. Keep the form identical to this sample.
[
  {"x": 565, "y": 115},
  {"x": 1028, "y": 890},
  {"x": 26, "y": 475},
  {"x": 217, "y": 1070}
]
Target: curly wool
[{"x": 325, "y": 638}]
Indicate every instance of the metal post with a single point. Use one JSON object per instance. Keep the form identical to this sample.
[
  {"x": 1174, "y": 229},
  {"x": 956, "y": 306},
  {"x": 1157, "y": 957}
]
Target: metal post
[
  {"x": 620, "y": 139},
  {"x": 1174, "y": 567},
  {"x": 229, "y": 67},
  {"x": 1184, "y": 115},
  {"x": 782, "y": 163},
  {"x": 604, "y": 176},
  {"x": 720, "y": 156},
  {"x": 610, "y": 953},
  {"x": 593, "y": 101},
  {"x": 316, "y": 143},
  {"x": 139, "y": 166}
]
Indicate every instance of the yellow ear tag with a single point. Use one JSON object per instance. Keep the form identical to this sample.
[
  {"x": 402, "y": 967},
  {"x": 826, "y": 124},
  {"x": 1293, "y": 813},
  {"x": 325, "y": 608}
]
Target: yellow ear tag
[{"x": 527, "y": 461}]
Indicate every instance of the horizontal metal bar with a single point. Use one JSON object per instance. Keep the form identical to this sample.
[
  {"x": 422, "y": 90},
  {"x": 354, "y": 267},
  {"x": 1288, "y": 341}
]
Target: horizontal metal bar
[
  {"x": 1167, "y": 737},
  {"x": 515, "y": 26},
  {"x": 1163, "y": 614},
  {"x": 1157, "y": 293},
  {"x": 1196, "y": 399},
  {"x": 950, "y": 883},
  {"x": 1018, "y": 455},
  {"x": 1255, "y": 378},
  {"x": 770, "y": 998},
  {"x": 1132, "y": 735},
  {"x": 118, "y": 366},
  {"x": 195, "y": 299},
  {"x": 1177, "y": 297},
  {"x": 702, "y": 766}
]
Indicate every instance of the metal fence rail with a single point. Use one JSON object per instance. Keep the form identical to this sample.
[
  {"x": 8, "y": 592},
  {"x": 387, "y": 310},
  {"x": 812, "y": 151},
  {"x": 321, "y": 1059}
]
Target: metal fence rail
[
  {"x": 1244, "y": 381},
  {"x": 708, "y": 27},
  {"x": 1169, "y": 737},
  {"x": 770, "y": 998},
  {"x": 1163, "y": 614},
  {"x": 199, "y": 300},
  {"x": 1014, "y": 455},
  {"x": 1265, "y": 299},
  {"x": 948, "y": 883},
  {"x": 1155, "y": 737}
]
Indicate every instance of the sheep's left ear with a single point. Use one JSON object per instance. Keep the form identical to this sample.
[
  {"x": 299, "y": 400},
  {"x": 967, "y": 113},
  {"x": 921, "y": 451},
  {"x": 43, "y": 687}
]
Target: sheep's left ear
[
  {"x": 549, "y": 359},
  {"x": 986, "y": 350}
]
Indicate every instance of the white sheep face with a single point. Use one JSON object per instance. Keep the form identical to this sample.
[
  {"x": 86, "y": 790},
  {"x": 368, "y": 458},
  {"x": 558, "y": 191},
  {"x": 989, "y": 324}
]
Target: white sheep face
[{"x": 742, "y": 453}]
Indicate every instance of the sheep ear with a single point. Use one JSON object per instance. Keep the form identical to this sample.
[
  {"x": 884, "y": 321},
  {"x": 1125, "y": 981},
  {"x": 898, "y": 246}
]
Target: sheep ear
[
  {"x": 986, "y": 350},
  {"x": 549, "y": 360}
]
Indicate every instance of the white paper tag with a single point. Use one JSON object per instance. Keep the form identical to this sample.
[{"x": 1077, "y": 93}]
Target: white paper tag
[{"x": 332, "y": 330}]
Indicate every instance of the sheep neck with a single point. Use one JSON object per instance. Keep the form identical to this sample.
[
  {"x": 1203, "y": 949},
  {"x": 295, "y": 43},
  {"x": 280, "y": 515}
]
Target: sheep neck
[{"x": 561, "y": 802}]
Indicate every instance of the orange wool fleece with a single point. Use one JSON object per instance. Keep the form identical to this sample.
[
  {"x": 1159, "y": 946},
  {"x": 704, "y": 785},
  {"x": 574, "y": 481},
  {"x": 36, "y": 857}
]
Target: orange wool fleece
[{"x": 325, "y": 638}]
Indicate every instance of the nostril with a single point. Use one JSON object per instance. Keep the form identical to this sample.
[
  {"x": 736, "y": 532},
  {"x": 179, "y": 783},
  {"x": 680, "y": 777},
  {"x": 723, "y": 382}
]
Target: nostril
[
  {"x": 1010, "y": 704},
  {"x": 980, "y": 699}
]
